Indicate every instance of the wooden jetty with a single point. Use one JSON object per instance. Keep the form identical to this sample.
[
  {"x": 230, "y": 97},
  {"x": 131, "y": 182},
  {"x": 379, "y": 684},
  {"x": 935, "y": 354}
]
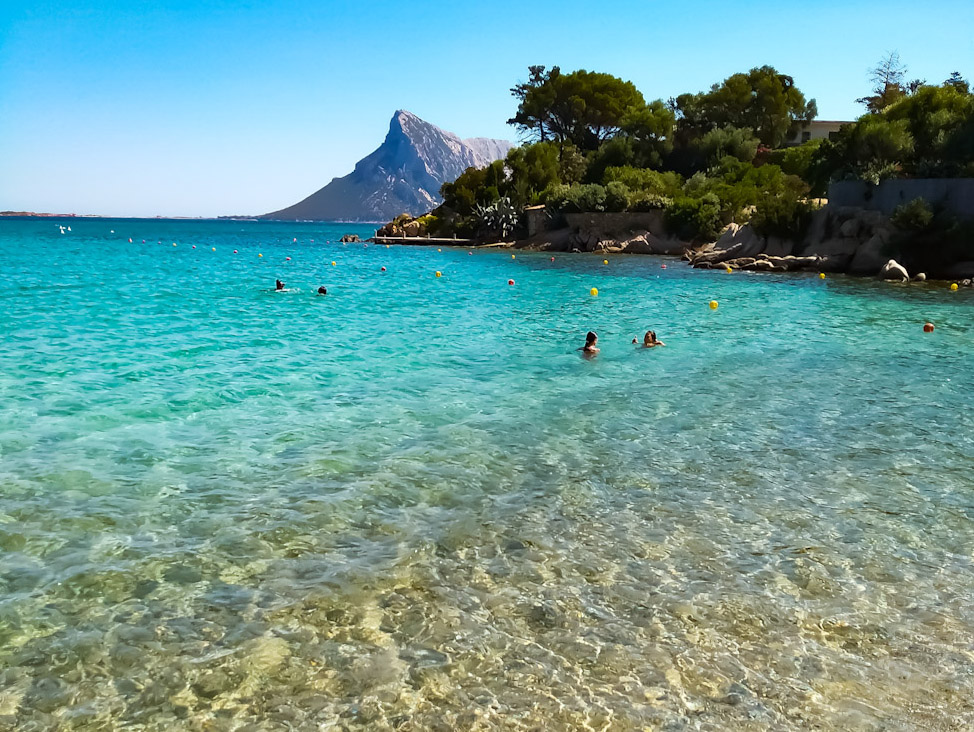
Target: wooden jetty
[{"x": 423, "y": 240}]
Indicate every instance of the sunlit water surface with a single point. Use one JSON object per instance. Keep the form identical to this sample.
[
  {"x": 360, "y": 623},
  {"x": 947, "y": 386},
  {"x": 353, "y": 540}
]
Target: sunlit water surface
[{"x": 412, "y": 505}]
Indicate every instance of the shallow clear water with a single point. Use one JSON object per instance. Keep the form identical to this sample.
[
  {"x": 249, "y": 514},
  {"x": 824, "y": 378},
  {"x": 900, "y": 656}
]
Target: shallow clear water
[{"x": 412, "y": 505}]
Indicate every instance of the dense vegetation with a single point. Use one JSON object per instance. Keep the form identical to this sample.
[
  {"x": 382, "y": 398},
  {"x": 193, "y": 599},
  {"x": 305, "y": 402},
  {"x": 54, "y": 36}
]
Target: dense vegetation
[{"x": 592, "y": 143}]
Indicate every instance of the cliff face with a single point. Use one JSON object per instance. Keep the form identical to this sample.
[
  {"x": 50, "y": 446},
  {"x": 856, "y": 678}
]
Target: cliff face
[{"x": 403, "y": 175}]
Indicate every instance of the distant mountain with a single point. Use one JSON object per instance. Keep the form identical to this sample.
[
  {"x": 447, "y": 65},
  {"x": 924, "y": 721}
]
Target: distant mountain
[{"x": 403, "y": 175}]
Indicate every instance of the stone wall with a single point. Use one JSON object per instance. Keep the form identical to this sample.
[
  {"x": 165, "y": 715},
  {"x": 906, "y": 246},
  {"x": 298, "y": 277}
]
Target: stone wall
[
  {"x": 617, "y": 223},
  {"x": 536, "y": 218},
  {"x": 956, "y": 195}
]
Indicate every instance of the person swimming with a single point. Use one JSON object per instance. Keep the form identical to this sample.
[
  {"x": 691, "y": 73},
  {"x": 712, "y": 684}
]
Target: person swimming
[
  {"x": 278, "y": 285},
  {"x": 322, "y": 290},
  {"x": 591, "y": 346},
  {"x": 650, "y": 340}
]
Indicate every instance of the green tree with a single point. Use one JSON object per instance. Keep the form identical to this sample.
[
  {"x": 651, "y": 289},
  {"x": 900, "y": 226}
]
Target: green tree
[
  {"x": 650, "y": 128},
  {"x": 475, "y": 187},
  {"x": 887, "y": 78},
  {"x": 762, "y": 100},
  {"x": 723, "y": 141},
  {"x": 531, "y": 170},
  {"x": 535, "y": 97},
  {"x": 583, "y": 107},
  {"x": 935, "y": 117},
  {"x": 958, "y": 82}
]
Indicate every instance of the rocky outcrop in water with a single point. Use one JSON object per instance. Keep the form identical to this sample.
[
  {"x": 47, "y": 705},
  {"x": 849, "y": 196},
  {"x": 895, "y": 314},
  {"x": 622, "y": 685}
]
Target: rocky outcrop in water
[{"x": 404, "y": 174}]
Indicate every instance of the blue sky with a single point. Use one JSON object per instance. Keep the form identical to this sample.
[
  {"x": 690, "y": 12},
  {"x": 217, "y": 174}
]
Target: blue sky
[{"x": 159, "y": 107}]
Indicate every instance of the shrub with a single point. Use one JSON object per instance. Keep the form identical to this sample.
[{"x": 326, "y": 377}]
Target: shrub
[
  {"x": 786, "y": 215},
  {"x": 796, "y": 160},
  {"x": 616, "y": 196},
  {"x": 577, "y": 198},
  {"x": 590, "y": 197},
  {"x": 913, "y": 216},
  {"x": 648, "y": 202},
  {"x": 694, "y": 219},
  {"x": 645, "y": 180}
]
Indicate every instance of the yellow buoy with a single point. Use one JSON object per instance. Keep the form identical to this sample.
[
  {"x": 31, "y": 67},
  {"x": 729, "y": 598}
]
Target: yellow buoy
[
  {"x": 728, "y": 270},
  {"x": 713, "y": 304},
  {"x": 605, "y": 261},
  {"x": 332, "y": 264},
  {"x": 594, "y": 292},
  {"x": 174, "y": 243},
  {"x": 260, "y": 255},
  {"x": 438, "y": 273},
  {"x": 214, "y": 249},
  {"x": 439, "y": 250},
  {"x": 953, "y": 286},
  {"x": 512, "y": 256},
  {"x": 821, "y": 275}
]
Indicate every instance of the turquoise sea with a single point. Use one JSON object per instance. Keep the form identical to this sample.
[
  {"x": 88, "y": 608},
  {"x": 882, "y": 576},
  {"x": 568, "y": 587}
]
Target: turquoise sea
[{"x": 411, "y": 504}]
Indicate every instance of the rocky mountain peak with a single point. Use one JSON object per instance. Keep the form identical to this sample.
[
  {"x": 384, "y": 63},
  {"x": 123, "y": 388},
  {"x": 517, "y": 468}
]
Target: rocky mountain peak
[{"x": 403, "y": 174}]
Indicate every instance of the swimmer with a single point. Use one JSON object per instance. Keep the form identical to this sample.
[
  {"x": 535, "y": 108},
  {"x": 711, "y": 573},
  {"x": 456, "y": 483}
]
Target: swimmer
[
  {"x": 322, "y": 290},
  {"x": 278, "y": 285},
  {"x": 591, "y": 346},
  {"x": 650, "y": 340}
]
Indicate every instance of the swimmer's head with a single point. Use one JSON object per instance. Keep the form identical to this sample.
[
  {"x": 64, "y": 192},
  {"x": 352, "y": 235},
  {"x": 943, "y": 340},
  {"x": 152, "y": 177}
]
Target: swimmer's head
[
  {"x": 278, "y": 284},
  {"x": 649, "y": 338},
  {"x": 590, "y": 338},
  {"x": 322, "y": 290}
]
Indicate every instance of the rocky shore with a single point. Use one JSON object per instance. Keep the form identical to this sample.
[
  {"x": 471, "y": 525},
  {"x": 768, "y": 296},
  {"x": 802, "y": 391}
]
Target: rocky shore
[{"x": 844, "y": 239}]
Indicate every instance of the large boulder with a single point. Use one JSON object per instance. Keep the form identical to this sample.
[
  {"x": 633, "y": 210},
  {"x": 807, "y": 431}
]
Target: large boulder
[
  {"x": 960, "y": 271},
  {"x": 872, "y": 255},
  {"x": 414, "y": 228},
  {"x": 817, "y": 227},
  {"x": 850, "y": 229},
  {"x": 894, "y": 271},
  {"x": 834, "y": 248},
  {"x": 776, "y": 247}
]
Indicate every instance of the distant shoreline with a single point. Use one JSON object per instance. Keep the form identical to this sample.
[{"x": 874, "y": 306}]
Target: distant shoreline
[{"x": 253, "y": 219}]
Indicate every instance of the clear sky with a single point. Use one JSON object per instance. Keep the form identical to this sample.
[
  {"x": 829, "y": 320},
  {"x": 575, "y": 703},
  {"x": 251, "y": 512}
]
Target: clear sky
[{"x": 212, "y": 107}]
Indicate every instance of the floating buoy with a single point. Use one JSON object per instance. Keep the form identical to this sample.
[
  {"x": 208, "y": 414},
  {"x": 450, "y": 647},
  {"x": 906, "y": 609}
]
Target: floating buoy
[
  {"x": 438, "y": 273},
  {"x": 294, "y": 239},
  {"x": 953, "y": 286},
  {"x": 821, "y": 275},
  {"x": 552, "y": 259},
  {"x": 143, "y": 241},
  {"x": 469, "y": 254},
  {"x": 512, "y": 256},
  {"x": 287, "y": 259},
  {"x": 439, "y": 250},
  {"x": 174, "y": 243},
  {"x": 332, "y": 264},
  {"x": 212, "y": 249},
  {"x": 728, "y": 270},
  {"x": 594, "y": 292},
  {"x": 713, "y": 304},
  {"x": 260, "y": 255},
  {"x": 130, "y": 240},
  {"x": 194, "y": 246},
  {"x": 928, "y": 327},
  {"x": 387, "y": 246},
  {"x": 662, "y": 266},
  {"x": 234, "y": 251},
  {"x": 383, "y": 269},
  {"x": 510, "y": 282},
  {"x": 605, "y": 261}
]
